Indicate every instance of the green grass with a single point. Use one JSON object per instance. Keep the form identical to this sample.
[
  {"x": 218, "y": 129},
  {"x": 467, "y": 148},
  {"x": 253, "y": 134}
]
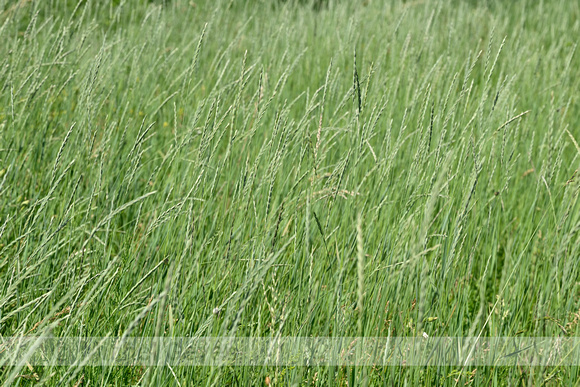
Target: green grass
[{"x": 355, "y": 169}]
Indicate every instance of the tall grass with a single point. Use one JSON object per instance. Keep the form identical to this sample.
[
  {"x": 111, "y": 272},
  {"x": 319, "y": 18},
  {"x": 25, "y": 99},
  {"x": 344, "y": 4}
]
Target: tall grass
[{"x": 259, "y": 168}]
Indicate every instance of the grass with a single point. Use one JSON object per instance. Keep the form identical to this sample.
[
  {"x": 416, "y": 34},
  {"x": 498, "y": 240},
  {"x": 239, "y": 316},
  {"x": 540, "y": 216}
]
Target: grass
[{"x": 264, "y": 168}]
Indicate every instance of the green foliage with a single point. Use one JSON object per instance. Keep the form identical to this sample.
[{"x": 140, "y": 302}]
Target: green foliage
[{"x": 356, "y": 168}]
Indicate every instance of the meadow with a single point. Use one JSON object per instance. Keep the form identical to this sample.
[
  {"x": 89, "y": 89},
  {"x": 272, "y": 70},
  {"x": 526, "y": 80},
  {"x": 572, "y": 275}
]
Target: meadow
[{"x": 270, "y": 168}]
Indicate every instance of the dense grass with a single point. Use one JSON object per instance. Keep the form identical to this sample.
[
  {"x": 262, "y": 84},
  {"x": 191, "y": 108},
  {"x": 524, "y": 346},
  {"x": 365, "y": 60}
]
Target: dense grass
[{"x": 357, "y": 169}]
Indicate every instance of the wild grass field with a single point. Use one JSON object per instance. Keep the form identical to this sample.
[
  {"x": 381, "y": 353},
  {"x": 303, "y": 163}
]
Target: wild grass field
[{"x": 270, "y": 168}]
